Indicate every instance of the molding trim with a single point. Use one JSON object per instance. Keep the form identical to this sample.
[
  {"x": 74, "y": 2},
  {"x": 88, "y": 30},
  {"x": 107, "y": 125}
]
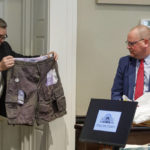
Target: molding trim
[
  {"x": 126, "y": 2},
  {"x": 63, "y": 28},
  {"x": 27, "y": 28},
  {"x": 26, "y": 138},
  {"x": 26, "y": 133},
  {"x": 1, "y": 135},
  {"x": 2, "y": 6}
]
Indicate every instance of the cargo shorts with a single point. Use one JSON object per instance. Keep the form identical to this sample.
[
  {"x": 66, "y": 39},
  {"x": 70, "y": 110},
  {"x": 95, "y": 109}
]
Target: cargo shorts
[{"x": 34, "y": 92}]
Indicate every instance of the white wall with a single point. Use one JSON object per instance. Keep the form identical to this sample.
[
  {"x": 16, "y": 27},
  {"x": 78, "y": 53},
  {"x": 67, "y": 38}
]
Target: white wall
[
  {"x": 63, "y": 24},
  {"x": 101, "y": 36}
]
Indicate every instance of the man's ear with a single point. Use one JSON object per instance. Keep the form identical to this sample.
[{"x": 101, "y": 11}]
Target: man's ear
[{"x": 146, "y": 41}]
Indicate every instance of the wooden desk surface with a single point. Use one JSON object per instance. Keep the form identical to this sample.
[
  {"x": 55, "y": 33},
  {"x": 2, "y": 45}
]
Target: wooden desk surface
[{"x": 137, "y": 135}]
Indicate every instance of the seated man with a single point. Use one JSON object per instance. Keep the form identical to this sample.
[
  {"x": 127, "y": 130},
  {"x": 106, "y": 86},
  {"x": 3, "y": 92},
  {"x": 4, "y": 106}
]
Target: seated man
[
  {"x": 133, "y": 74},
  {"x": 7, "y": 60}
]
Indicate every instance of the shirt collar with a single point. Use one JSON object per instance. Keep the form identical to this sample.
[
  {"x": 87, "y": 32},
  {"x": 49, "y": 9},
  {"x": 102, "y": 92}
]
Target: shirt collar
[{"x": 147, "y": 60}]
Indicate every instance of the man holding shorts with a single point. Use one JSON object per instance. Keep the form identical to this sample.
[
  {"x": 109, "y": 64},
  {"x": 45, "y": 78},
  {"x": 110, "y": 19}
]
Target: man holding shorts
[{"x": 7, "y": 60}]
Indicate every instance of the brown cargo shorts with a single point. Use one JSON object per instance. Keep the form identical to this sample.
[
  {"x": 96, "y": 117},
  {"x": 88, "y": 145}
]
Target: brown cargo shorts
[{"x": 34, "y": 92}]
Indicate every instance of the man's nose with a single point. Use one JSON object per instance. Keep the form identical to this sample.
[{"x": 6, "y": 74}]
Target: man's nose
[{"x": 128, "y": 46}]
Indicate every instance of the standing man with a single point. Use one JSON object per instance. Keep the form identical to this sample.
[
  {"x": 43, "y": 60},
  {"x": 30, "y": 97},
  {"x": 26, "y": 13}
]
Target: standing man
[
  {"x": 7, "y": 61},
  {"x": 133, "y": 74}
]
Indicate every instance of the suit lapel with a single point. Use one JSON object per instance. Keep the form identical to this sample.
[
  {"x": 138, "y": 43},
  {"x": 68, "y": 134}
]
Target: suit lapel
[{"x": 132, "y": 69}]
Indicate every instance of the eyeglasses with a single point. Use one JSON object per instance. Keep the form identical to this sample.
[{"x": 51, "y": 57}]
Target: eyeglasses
[
  {"x": 3, "y": 37},
  {"x": 133, "y": 43}
]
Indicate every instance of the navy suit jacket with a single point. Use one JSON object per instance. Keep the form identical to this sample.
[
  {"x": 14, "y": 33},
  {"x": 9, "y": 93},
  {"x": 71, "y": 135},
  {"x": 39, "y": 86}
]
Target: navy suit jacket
[{"x": 124, "y": 81}]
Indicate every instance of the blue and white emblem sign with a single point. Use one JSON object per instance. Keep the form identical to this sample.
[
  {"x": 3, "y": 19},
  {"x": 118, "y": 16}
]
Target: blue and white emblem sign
[{"x": 107, "y": 120}]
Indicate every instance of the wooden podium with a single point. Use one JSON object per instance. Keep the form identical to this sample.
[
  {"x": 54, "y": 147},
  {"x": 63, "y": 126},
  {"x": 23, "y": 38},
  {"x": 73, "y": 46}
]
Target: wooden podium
[
  {"x": 107, "y": 147},
  {"x": 103, "y": 147},
  {"x": 138, "y": 135}
]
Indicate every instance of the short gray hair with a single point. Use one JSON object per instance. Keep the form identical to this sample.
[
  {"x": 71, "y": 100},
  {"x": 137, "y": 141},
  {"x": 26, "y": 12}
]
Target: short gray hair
[
  {"x": 143, "y": 31},
  {"x": 3, "y": 23}
]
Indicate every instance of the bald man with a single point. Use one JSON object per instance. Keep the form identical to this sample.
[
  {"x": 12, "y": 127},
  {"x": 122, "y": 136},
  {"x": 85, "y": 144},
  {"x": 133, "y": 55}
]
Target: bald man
[{"x": 138, "y": 44}]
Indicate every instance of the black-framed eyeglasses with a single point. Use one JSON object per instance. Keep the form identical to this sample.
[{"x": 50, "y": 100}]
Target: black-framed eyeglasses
[
  {"x": 133, "y": 43},
  {"x": 3, "y": 37}
]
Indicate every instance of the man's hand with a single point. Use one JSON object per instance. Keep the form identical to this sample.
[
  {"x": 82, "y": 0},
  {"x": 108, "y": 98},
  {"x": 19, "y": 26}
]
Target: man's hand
[
  {"x": 54, "y": 54},
  {"x": 6, "y": 62}
]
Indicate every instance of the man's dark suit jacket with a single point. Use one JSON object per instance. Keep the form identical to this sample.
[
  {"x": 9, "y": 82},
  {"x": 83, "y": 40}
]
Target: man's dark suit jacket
[
  {"x": 6, "y": 50},
  {"x": 124, "y": 81}
]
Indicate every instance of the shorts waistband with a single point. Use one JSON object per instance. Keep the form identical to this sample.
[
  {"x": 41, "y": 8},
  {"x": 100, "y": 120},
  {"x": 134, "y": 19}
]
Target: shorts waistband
[
  {"x": 32, "y": 59},
  {"x": 24, "y": 62}
]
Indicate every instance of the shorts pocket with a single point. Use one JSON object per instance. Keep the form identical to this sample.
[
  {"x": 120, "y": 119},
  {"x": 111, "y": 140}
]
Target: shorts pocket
[
  {"x": 45, "y": 109},
  {"x": 45, "y": 92},
  {"x": 58, "y": 92},
  {"x": 60, "y": 104},
  {"x": 11, "y": 109},
  {"x": 12, "y": 91}
]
